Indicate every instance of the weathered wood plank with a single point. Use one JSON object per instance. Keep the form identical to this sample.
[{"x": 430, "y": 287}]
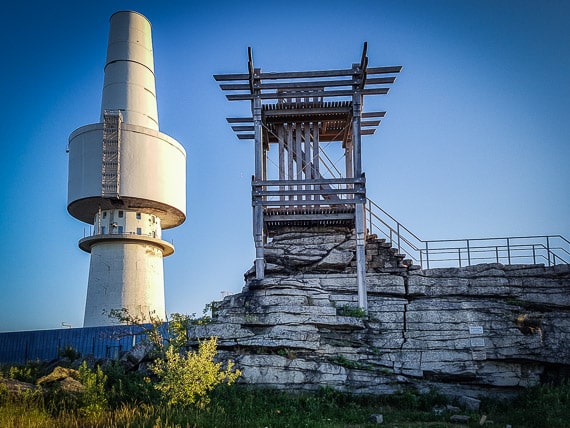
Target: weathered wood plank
[
  {"x": 317, "y": 182},
  {"x": 373, "y": 114},
  {"x": 307, "y": 74},
  {"x": 277, "y": 203},
  {"x": 316, "y": 191},
  {"x": 308, "y": 217},
  {"x": 239, "y": 119},
  {"x": 384, "y": 70},
  {"x": 227, "y": 77},
  {"x": 320, "y": 111}
]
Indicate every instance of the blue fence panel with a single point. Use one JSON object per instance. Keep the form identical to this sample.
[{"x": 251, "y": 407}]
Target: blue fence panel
[{"x": 45, "y": 345}]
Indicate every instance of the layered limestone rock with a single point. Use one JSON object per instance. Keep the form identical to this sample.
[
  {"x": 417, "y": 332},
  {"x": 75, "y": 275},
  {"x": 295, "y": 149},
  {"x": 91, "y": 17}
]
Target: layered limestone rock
[{"x": 467, "y": 331}]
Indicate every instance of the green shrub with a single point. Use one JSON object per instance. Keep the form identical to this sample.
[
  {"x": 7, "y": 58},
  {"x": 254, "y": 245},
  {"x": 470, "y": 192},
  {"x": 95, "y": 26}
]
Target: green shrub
[
  {"x": 93, "y": 398},
  {"x": 69, "y": 352},
  {"x": 128, "y": 388},
  {"x": 352, "y": 311},
  {"x": 186, "y": 378}
]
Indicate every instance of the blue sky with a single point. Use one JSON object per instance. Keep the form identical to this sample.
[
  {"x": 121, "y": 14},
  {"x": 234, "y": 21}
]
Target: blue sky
[{"x": 475, "y": 142}]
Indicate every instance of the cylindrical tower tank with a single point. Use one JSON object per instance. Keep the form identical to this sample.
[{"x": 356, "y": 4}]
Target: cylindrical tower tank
[{"x": 128, "y": 180}]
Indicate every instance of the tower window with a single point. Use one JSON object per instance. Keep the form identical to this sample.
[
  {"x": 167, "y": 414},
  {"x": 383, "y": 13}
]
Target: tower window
[
  {"x": 121, "y": 214},
  {"x": 138, "y": 216},
  {"x": 139, "y": 231},
  {"x": 105, "y": 214}
]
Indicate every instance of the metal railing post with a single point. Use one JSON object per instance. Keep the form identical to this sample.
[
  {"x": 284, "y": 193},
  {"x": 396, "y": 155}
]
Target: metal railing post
[
  {"x": 427, "y": 254},
  {"x": 509, "y": 250},
  {"x": 398, "y": 231},
  {"x": 370, "y": 216},
  {"x": 468, "y": 254},
  {"x": 497, "y": 252},
  {"x": 533, "y": 254},
  {"x": 459, "y": 255},
  {"x": 548, "y": 249}
]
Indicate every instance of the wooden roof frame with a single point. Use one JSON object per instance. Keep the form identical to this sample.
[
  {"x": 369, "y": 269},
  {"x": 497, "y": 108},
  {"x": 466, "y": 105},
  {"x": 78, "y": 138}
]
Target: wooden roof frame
[{"x": 299, "y": 93}]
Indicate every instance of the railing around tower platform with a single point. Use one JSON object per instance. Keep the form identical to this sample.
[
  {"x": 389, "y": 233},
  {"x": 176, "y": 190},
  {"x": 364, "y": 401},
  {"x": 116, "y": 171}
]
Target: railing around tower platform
[
  {"x": 536, "y": 249},
  {"x": 308, "y": 202}
]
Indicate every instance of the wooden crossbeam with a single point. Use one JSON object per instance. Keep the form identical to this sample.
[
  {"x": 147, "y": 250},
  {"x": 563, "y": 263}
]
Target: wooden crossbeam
[
  {"x": 240, "y": 119},
  {"x": 306, "y": 84},
  {"x": 279, "y": 95},
  {"x": 373, "y": 114},
  {"x": 306, "y": 74}
]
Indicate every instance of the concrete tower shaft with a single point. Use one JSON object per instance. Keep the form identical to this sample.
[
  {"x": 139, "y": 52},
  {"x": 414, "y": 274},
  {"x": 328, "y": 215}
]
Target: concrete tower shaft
[
  {"x": 129, "y": 84},
  {"x": 128, "y": 180},
  {"x": 148, "y": 170}
]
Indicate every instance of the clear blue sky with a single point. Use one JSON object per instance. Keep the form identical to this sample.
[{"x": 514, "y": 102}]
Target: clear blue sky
[{"x": 475, "y": 142}]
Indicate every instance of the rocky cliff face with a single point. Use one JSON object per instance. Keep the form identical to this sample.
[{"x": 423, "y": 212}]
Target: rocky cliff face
[{"x": 467, "y": 331}]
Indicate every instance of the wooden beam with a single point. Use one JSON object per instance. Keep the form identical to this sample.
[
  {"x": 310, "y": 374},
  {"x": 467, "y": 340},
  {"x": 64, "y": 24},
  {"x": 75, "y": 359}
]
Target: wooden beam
[
  {"x": 373, "y": 114},
  {"x": 239, "y": 119},
  {"x": 384, "y": 70},
  {"x": 307, "y": 74},
  {"x": 307, "y": 84},
  {"x": 277, "y": 95},
  {"x": 315, "y": 181},
  {"x": 277, "y": 203},
  {"x": 303, "y": 111},
  {"x": 308, "y": 217},
  {"x": 228, "y": 77},
  {"x": 317, "y": 191}
]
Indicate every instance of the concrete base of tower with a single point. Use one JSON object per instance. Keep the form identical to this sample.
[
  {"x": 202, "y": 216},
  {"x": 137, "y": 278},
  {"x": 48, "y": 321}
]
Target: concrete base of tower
[{"x": 124, "y": 274}]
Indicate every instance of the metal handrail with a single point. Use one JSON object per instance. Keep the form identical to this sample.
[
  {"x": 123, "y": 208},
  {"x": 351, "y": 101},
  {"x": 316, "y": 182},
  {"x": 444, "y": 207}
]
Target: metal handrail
[{"x": 547, "y": 249}]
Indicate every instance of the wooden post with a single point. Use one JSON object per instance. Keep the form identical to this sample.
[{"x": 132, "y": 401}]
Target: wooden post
[
  {"x": 259, "y": 161},
  {"x": 359, "y": 208}
]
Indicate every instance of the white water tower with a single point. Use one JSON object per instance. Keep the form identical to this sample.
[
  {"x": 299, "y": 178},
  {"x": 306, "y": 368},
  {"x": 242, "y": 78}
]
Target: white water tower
[{"x": 128, "y": 180}]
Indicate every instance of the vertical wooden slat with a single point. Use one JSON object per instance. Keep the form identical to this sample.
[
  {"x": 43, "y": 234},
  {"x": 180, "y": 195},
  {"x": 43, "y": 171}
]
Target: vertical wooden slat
[
  {"x": 307, "y": 157},
  {"x": 299, "y": 156},
  {"x": 290, "y": 153},
  {"x": 316, "y": 153},
  {"x": 281, "y": 139}
]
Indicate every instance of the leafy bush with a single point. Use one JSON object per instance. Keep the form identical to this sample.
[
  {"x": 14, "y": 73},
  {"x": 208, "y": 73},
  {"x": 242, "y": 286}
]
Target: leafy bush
[
  {"x": 123, "y": 387},
  {"x": 69, "y": 352},
  {"x": 352, "y": 311},
  {"x": 27, "y": 373},
  {"x": 93, "y": 398},
  {"x": 186, "y": 378}
]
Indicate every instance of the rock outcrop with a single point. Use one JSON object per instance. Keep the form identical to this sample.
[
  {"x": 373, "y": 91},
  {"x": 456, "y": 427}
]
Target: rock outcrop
[{"x": 466, "y": 331}]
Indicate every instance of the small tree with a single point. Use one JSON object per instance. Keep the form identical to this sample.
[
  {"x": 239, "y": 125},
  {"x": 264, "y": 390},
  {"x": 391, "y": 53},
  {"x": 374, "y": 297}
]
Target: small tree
[{"x": 186, "y": 378}]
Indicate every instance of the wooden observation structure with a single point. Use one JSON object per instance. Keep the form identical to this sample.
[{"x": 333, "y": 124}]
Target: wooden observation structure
[{"x": 295, "y": 117}]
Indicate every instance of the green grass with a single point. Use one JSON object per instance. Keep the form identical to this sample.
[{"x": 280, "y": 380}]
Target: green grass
[{"x": 242, "y": 406}]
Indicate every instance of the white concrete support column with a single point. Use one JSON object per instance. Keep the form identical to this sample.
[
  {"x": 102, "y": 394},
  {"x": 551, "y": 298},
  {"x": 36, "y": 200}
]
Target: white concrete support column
[
  {"x": 128, "y": 180},
  {"x": 124, "y": 275}
]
